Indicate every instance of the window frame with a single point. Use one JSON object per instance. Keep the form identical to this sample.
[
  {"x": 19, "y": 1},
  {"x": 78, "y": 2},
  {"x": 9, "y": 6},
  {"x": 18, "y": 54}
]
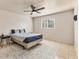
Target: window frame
[{"x": 42, "y": 21}]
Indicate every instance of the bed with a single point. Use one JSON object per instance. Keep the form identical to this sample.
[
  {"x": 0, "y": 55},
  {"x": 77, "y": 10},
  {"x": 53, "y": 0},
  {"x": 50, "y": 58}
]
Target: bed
[{"x": 24, "y": 39}]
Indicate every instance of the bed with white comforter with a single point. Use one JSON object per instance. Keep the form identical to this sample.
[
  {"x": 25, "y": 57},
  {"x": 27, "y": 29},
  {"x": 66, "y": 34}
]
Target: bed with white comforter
[{"x": 27, "y": 39}]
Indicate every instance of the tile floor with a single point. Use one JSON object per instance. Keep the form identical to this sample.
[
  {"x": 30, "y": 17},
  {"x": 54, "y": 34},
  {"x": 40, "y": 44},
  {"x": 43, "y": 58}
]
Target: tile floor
[
  {"x": 47, "y": 50},
  {"x": 64, "y": 51}
]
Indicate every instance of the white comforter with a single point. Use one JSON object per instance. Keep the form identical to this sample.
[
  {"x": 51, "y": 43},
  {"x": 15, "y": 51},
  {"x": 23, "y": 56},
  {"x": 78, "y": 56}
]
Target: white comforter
[{"x": 22, "y": 36}]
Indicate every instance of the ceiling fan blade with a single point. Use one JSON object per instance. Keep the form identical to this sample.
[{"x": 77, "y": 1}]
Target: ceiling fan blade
[
  {"x": 40, "y": 8},
  {"x": 33, "y": 7},
  {"x": 27, "y": 11},
  {"x": 38, "y": 12}
]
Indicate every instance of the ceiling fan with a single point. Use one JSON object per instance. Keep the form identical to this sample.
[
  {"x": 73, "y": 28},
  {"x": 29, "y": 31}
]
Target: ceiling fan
[{"x": 34, "y": 9}]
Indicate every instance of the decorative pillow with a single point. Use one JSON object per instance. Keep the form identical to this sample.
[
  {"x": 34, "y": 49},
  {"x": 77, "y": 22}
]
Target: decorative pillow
[
  {"x": 19, "y": 31},
  {"x": 24, "y": 30},
  {"x": 12, "y": 31}
]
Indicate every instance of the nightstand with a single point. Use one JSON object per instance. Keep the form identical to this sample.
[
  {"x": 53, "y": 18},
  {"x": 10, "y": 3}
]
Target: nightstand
[{"x": 5, "y": 39}]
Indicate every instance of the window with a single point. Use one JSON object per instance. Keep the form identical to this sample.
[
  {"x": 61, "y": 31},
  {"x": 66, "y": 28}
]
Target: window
[{"x": 48, "y": 24}]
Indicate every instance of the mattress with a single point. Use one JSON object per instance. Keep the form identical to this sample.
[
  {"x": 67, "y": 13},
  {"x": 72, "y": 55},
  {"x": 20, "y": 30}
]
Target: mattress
[{"x": 27, "y": 37}]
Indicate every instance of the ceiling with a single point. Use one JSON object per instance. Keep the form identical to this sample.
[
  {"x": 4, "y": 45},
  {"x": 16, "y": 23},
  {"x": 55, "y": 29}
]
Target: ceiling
[{"x": 19, "y": 6}]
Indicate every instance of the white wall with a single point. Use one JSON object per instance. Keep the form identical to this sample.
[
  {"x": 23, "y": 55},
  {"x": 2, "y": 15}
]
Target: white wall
[
  {"x": 64, "y": 27},
  {"x": 10, "y": 20},
  {"x": 76, "y": 35},
  {"x": 76, "y": 26}
]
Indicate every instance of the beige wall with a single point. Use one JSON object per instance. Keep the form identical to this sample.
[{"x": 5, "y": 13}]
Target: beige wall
[
  {"x": 64, "y": 27},
  {"x": 10, "y": 20}
]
